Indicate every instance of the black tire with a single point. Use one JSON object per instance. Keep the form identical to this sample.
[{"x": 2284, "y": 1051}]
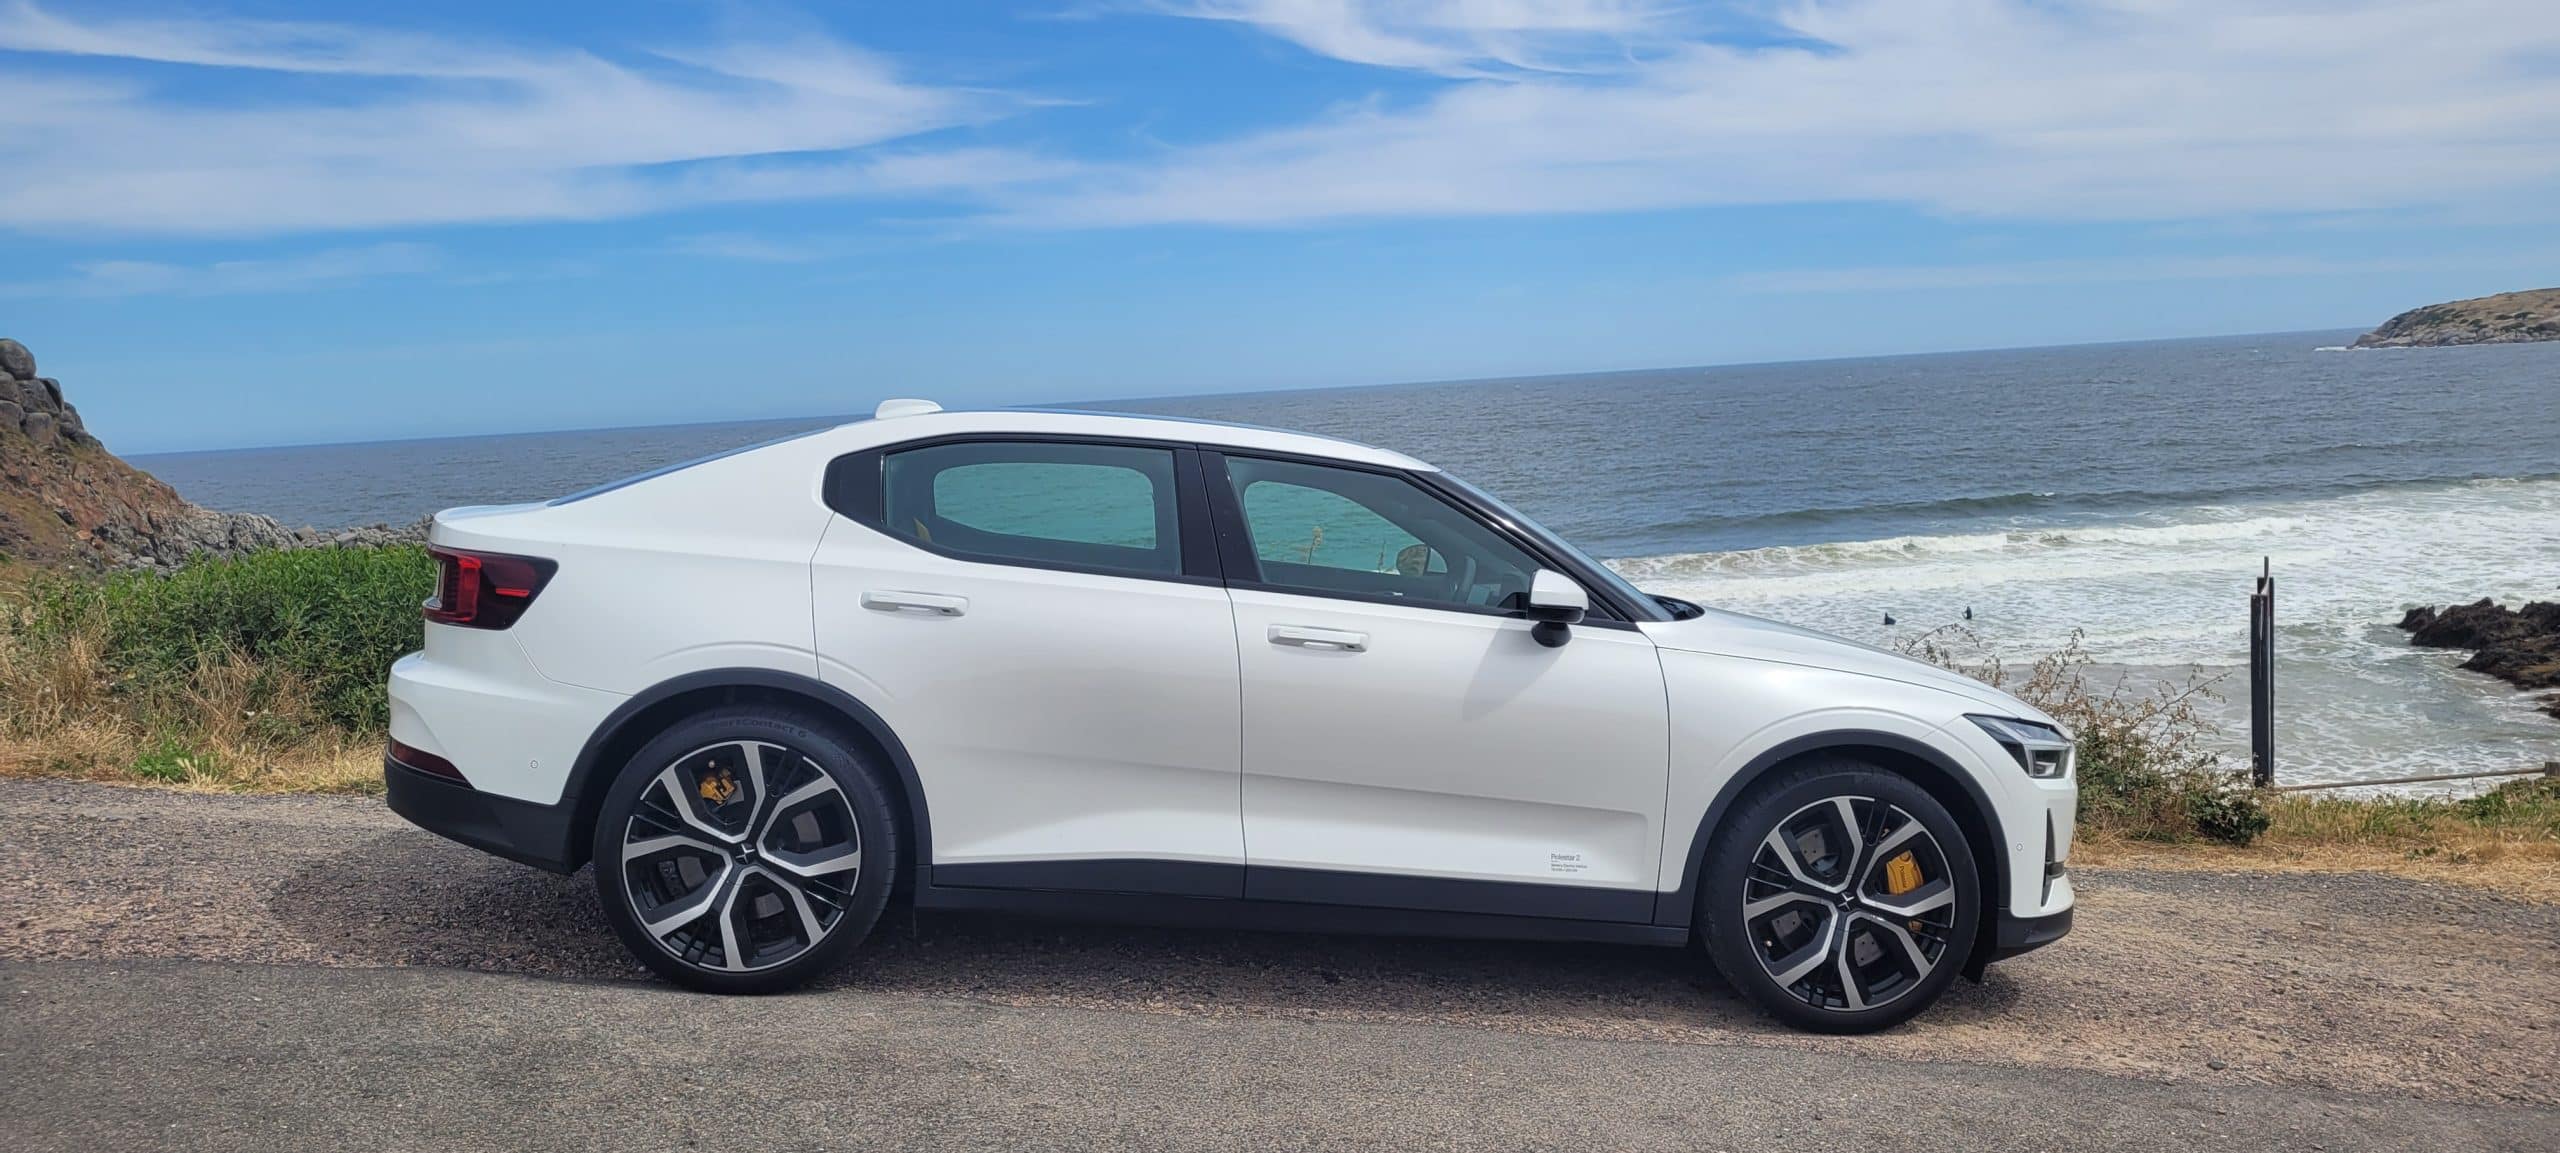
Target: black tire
[
  {"x": 1762, "y": 914},
  {"x": 764, "y": 877}
]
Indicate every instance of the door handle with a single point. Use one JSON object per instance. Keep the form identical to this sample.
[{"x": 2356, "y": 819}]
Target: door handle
[
  {"x": 1337, "y": 640},
  {"x": 936, "y": 604}
]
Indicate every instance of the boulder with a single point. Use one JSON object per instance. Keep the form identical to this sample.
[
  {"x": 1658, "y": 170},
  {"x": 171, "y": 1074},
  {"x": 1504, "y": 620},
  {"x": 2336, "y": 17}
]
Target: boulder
[
  {"x": 39, "y": 427},
  {"x": 2518, "y": 646},
  {"x": 16, "y": 361}
]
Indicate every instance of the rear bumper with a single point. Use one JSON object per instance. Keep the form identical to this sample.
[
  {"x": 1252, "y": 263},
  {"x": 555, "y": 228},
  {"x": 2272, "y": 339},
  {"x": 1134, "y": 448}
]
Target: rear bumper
[
  {"x": 540, "y": 835},
  {"x": 2017, "y": 934}
]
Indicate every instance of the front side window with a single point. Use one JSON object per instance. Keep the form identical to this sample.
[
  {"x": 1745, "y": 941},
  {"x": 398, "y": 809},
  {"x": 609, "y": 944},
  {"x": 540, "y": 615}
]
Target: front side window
[
  {"x": 1088, "y": 506},
  {"x": 1339, "y": 531}
]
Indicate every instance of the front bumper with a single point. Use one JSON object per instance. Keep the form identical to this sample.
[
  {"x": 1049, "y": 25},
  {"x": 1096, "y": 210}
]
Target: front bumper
[
  {"x": 540, "y": 835},
  {"x": 2015, "y": 934}
]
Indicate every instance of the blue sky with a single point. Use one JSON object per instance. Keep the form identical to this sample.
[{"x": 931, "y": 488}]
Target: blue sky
[{"x": 238, "y": 223}]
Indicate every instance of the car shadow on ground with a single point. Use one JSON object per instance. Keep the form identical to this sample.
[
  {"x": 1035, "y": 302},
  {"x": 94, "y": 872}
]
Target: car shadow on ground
[{"x": 397, "y": 899}]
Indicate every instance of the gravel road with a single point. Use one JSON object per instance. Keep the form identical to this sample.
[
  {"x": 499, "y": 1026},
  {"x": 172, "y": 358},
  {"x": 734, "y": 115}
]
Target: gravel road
[{"x": 2324, "y": 1009}]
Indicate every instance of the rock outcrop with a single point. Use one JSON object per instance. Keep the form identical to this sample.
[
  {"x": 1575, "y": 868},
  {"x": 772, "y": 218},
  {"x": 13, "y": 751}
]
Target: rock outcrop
[
  {"x": 2507, "y": 318},
  {"x": 2519, "y": 646},
  {"x": 65, "y": 501}
]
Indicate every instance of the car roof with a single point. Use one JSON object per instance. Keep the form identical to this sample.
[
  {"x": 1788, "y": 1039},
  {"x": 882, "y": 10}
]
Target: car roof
[{"x": 894, "y": 428}]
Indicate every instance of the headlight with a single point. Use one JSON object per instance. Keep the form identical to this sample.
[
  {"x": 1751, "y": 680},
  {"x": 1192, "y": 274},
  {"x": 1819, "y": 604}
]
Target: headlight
[{"x": 2040, "y": 749}]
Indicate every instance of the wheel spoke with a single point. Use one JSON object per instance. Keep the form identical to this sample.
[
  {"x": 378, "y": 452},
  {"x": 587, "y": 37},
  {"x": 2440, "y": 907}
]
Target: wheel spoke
[
  {"x": 751, "y": 755},
  {"x": 1776, "y": 842},
  {"x": 1753, "y": 910},
  {"x": 1857, "y": 840},
  {"x": 1934, "y": 896},
  {"x": 847, "y": 861},
  {"x": 683, "y": 801},
  {"x": 690, "y": 908},
  {"x": 1920, "y": 963},
  {"x": 1849, "y": 990},
  {"x": 730, "y": 958},
  {"x": 652, "y": 845},
  {"x": 810, "y": 929},
  {"x": 1800, "y": 964},
  {"x": 823, "y": 785}
]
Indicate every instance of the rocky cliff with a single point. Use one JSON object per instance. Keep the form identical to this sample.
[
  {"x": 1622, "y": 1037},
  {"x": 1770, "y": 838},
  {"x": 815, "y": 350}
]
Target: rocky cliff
[
  {"x": 65, "y": 501},
  {"x": 2507, "y": 318}
]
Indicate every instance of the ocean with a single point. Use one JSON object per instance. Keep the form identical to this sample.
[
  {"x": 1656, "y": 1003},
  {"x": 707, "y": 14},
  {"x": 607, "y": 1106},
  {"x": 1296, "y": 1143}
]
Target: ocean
[{"x": 2126, "y": 492}]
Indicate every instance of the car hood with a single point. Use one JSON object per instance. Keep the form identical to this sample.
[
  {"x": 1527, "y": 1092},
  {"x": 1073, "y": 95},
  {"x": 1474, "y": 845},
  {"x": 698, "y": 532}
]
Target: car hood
[{"x": 1731, "y": 634}]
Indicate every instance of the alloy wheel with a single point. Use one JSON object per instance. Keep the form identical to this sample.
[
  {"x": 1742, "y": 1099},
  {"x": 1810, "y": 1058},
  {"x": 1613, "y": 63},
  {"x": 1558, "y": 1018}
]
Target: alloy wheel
[
  {"x": 741, "y": 856},
  {"x": 1849, "y": 904}
]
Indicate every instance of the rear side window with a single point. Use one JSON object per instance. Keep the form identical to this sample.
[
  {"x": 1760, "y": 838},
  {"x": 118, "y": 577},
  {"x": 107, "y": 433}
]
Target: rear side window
[{"x": 1087, "y": 506}]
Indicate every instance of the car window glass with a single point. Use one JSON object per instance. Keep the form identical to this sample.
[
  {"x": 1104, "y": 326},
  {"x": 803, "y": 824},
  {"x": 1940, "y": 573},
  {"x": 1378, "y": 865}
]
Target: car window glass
[
  {"x": 1349, "y": 532},
  {"x": 1108, "y": 507}
]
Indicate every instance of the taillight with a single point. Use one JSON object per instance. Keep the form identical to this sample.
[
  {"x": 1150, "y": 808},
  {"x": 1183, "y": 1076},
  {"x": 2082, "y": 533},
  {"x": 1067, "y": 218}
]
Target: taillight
[
  {"x": 484, "y": 590},
  {"x": 411, "y": 756}
]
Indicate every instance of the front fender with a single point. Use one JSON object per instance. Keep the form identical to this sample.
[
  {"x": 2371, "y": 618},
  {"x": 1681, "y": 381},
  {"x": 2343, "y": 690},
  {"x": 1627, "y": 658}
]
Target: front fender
[{"x": 1734, "y": 719}]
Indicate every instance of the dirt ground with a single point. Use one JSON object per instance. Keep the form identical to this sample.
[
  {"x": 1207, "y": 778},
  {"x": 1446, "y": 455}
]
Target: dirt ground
[{"x": 2355, "y": 982}]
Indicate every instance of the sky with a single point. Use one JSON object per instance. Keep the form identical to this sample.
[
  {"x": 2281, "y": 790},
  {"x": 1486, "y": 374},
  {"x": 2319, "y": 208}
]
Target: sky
[{"x": 243, "y": 222}]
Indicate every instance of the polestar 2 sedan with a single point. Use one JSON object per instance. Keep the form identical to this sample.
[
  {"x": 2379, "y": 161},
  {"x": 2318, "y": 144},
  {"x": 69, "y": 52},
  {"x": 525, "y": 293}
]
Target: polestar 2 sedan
[{"x": 1124, "y": 667}]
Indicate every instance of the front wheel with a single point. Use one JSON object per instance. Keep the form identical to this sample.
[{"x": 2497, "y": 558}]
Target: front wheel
[
  {"x": 1841, "y": 897},
  {"x": 745, "y": 850}
]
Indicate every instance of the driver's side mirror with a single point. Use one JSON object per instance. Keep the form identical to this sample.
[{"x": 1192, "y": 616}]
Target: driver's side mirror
[{"x": 1557, "y": 603}]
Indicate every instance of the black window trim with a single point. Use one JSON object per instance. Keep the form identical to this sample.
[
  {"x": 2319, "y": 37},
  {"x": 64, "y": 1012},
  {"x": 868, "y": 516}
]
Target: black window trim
[
  {"x": 1235, "y": 543},
  {"x": 853, "y": 489}
]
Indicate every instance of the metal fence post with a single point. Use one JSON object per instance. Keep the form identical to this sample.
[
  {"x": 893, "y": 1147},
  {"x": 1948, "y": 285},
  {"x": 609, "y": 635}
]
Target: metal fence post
[{"x": 2262, "y": 678}]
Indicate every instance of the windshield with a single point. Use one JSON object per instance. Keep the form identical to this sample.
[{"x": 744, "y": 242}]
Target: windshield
[{"x": 1642, "y": 602}]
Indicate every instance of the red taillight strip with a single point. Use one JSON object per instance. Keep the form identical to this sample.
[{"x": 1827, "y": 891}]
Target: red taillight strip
[
  {"x": 411, "y": 756},
  {"x": 484, "y": 590}
]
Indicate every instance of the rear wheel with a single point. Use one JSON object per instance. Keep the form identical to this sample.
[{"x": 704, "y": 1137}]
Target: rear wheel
[
  {"x": 1841, "y": 897},
  {"x": 745, "y": 850}
]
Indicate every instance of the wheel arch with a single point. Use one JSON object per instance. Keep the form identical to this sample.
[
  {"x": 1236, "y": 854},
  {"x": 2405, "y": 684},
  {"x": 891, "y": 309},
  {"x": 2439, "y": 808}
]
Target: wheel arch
[
  {"x": 1927, "y": 766},
  {"x": 653, "y": 710}
]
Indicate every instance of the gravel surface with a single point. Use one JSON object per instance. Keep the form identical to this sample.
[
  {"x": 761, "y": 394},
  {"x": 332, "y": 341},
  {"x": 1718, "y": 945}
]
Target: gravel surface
[
  {"x": 2346, "y": 982},
  {"x": 134, "y": 1055}
]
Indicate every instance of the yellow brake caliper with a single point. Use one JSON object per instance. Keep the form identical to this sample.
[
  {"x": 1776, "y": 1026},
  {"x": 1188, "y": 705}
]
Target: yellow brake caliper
[
  {"x": 719, "y": 785},
  {"x": 1902, "y": 874}
]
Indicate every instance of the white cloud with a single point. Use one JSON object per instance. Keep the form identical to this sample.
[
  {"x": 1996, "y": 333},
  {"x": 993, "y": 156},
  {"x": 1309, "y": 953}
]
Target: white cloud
[
  {"x": 2130, "y": 270},
  {"x": 2104, "y": 109},
  {"x": 1453, "y": 37},
  {"x": 2164, "y": 110},
  {"x": 281, "y": 274},
  {"x": 388, "y": 128}
]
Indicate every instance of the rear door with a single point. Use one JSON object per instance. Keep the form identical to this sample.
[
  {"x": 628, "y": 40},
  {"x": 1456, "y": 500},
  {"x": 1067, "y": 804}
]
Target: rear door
[
  {"x": 1406, "y": 742},
  {"x": 1040, "y": 622}
]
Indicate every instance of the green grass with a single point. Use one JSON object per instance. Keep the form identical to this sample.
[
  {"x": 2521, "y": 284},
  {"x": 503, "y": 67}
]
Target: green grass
[{"x": 323, "y": 623}]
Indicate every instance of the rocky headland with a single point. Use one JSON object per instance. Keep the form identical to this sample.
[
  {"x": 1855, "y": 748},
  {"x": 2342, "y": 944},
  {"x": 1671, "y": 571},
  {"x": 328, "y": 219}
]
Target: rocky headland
[
  {"x": 66, "y": 502},
  {"x": 2519, "y": 646},
  {"x": 2507, "y": 318}
]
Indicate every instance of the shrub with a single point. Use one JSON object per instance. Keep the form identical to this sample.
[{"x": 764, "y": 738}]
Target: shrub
[
  {"x": 299, "y": 638},
  {"x": 2147, "y": 767}
]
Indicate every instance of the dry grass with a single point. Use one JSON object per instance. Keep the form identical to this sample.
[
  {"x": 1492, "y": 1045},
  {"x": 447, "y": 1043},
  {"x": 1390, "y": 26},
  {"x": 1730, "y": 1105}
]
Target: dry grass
[
  {"x": 232, "y": 726},
  {"x": 2507, "y": 840}
]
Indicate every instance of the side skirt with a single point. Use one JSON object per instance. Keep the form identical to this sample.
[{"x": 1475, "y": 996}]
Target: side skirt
[{"x": 1192, "y": 895}]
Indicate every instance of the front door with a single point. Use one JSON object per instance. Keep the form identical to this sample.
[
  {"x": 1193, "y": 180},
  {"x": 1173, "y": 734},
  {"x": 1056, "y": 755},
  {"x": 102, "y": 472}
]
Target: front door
[
  {"x": 1040, "y": 623},
  {"x": 1407, "y": 743}
]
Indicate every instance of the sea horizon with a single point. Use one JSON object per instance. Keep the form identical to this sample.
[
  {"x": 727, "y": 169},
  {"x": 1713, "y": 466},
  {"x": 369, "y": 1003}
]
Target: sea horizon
[{"x": 1103, "y": 403}]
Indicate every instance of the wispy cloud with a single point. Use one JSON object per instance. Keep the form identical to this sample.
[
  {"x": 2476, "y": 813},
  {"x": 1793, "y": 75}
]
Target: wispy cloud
[
  {"x": 388, "y": 128},
  {"x": 2011, "y": 274},
  {"x": 2104, "y": 109},
  {"x": 221, "y": 278},
  {"x": 1465, "y": 38}
]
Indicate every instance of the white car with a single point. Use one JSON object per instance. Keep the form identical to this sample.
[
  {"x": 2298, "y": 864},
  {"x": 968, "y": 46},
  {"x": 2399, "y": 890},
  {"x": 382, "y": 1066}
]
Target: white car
[{"x": 1128, "y": 667}]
